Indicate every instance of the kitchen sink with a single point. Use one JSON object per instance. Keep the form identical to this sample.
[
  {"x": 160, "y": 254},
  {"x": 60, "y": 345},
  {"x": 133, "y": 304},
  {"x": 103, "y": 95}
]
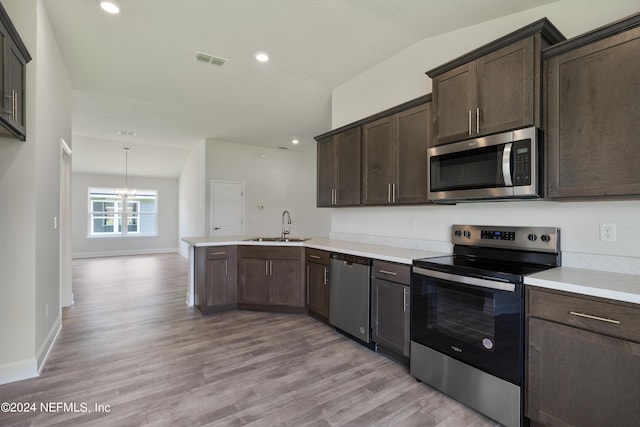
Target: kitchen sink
[{"x": 276, "y": 239}]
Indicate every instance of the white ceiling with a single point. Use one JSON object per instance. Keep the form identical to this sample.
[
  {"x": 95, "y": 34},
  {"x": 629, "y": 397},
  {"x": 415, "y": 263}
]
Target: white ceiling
[{"x": 136, "y": 71}]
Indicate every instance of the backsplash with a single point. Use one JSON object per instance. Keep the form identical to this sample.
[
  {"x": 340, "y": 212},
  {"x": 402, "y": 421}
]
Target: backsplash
[{"x": 429, "y": 227}]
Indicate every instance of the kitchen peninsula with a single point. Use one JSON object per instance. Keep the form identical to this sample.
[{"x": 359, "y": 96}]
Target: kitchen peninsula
[{"x": 379, "y": 252}]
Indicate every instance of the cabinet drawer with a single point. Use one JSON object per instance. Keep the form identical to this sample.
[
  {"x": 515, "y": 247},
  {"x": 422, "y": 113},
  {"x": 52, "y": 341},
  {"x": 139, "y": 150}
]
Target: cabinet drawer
[
  {"x": 609, "y": 317},
  {"x": 272, "y": 252},
  {"x": 217, "y": 252},
  {"x": 317, "y": 255},
  {"x": 391, "y": 271}
]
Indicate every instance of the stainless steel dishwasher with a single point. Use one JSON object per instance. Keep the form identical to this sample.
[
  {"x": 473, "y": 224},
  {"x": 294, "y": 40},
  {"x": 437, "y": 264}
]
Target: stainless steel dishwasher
[{"x": 349, "y": 295}]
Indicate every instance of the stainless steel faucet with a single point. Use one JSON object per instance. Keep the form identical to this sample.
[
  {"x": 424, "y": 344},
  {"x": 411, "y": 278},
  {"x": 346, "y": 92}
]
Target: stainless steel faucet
[{"x": 287, "y": 231}]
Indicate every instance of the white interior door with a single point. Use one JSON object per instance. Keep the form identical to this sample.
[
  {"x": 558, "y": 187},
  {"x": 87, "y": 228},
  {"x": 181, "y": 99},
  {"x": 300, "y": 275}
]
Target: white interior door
[{"x": 227, "y": 208}]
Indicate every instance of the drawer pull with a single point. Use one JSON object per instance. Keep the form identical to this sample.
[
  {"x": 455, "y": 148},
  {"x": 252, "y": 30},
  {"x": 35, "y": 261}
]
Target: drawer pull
[
  {"x": 217, "y": 253},
  {"x": 314, "y": 256},
  {"x": 589, "y": 316},
  {"x": 391, "y": 273}
]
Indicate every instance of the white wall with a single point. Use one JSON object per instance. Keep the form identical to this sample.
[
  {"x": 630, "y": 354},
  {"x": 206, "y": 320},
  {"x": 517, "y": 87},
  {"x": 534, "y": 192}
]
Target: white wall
[
  {"x": 191, "y": 199},
  {"x": 165, "y": 241},
  {"x": 29, "y": 201},
  {"x": 402, "y": 77},
  {"x": 274, "y": 178}
]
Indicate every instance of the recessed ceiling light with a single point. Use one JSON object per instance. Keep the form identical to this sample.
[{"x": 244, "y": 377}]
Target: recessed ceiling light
[
  {"x": 294, "y": 141},
  {"x": 262, "y": 57},
  {"x": 110, "y": 7},
  {"x": 126, "y": 132}
]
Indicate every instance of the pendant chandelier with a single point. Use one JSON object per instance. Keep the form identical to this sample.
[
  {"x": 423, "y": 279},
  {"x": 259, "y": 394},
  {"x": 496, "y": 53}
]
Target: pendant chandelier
[{"x": 126, "y": 192}]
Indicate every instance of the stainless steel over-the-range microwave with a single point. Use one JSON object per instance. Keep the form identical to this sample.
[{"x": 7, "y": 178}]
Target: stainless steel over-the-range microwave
[{"x": 500, "y": 166}]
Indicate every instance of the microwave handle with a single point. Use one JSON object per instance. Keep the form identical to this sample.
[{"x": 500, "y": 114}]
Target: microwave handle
[{"x": 506, "y": 164}]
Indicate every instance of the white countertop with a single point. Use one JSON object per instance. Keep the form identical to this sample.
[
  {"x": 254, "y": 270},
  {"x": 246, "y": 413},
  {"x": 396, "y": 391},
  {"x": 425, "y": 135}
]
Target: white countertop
[
  {"x": 616, "y": 286},
  {"x": 385, "y": 253},
  {"x": 603, "y": 284}
]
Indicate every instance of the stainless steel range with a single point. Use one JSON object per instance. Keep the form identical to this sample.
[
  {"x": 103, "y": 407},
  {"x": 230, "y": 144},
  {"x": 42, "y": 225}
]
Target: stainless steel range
[{"x": 467, "y": 315}]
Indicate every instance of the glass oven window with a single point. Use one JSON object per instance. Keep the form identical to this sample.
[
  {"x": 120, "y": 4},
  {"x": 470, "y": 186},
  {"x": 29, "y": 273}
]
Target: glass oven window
[{"x": 468, "y": 315}]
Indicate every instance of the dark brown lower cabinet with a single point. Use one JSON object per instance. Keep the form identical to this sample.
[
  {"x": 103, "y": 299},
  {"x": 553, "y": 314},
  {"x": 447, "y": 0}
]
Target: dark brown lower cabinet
[
  {"x": 215, "y": 278},
  {"x": 390, "y": 308},
  {"x": 577, "y": 373},
  {"x": 271, "y": 278},
  {"x": 317, "y": 265}
]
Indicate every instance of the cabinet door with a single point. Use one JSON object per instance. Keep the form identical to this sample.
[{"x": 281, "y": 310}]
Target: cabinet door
[
  {"x": 318, "y": 289},
  {"x": 414, "y": 138},
  {"x": 12, "y": 66},
  {"x": 348, "y": 177},
  {"x": 593, "y": 114},
  {"x": 506, "y": 88},
  {"x": 254, "y": 275},
  {"x": 391, "y": 316},
  {"x": 454, "y": 101},
  {"x": 581, "y": 378},
  {"x": 218, "y": 290},
  {"x": 378, "y": 158},
  {"x": 326, "y": 171},
  {"x": 284, "y": 283}
]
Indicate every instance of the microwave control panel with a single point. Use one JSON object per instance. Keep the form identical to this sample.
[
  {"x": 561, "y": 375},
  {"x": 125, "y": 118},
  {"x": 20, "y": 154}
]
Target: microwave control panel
[{"x": 522, "y": 154}]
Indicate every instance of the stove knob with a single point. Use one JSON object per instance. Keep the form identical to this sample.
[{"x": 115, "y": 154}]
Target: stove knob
[
  {"x": 458, "y": 233},
  {"x": 467, "y": 234},
  {"x": 545, "y": 238},
  {"x": 533, "y": 237}
]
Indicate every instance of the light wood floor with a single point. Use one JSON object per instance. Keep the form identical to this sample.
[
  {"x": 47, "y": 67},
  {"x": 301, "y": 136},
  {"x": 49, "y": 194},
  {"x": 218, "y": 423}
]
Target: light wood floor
[{"x": 132, "y": 343}]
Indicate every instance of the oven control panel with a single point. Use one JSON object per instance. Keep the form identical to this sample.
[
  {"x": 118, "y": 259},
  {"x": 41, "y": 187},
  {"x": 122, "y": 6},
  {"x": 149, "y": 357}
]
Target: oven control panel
[
  {"x": 497, "y": 235},
  {"x": 543, "y": 239}
]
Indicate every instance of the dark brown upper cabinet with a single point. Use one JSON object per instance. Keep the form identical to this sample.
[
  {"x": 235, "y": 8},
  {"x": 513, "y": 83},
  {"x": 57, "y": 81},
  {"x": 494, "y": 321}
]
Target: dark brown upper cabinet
[
  {"x": 339, "y": 169},
  {"x": 494, "y": 88},
  {"x": 394, "y": 157},
  {"x": 379, "y": 160},
  {"x": 13, "y": 59},
  {"x": 593, "y": 109}
]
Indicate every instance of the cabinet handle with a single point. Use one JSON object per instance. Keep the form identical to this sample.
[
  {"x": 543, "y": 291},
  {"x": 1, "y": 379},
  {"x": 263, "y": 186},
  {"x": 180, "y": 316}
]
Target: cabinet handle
[
  {"x": 266, "y": 268},
  {"x": 404, "y": 299},
  {"x": 307, "y": 284},
  {"x": 478, "y": 120},
  {"x": 13, "y": 104},
  {"x": 15, "y": 109},
  {"x": 270, "y": 268},
  {"x": 217, "y": 253},
  {"x": 393, "y": 192},
  {"x": 589, "y": 316},
  {"x": 314, "y": 256},
  {"x": 226, "y": 267},
  {"x": 325, "y": 276},
  {"x": 391, "y": 273},
  {"x": 469, "y": 122}
]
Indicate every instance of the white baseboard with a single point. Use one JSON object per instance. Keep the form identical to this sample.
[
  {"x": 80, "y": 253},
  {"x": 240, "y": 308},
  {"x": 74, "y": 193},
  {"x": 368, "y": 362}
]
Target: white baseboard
[
  {"x": 17, "y": 371},
  {"x": 124, "y": 253},
  {"x": 31, "y": 368},
  {"x": 47, "y": 345}
]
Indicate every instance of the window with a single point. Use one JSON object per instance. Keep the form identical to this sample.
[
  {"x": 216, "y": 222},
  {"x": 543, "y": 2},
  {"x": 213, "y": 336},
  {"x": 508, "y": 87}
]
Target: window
[{"x": 112, "y": 216}]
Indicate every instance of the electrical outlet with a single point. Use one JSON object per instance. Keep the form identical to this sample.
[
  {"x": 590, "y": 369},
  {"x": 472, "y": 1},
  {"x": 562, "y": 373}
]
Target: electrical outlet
[{"x": 608, "y": 232}]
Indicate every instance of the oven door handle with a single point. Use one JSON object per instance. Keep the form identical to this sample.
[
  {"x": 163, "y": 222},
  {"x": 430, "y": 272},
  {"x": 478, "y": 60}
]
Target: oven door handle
[{"x": 474, "y": 281}]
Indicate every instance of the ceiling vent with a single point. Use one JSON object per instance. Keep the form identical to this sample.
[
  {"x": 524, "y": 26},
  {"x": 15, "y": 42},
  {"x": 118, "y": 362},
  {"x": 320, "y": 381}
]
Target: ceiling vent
[{"x": 209, "y": 59}]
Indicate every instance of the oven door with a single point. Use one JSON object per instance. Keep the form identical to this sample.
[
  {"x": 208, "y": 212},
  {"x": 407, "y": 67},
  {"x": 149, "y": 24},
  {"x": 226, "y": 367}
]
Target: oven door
[{"x": 476, "y": 321}]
